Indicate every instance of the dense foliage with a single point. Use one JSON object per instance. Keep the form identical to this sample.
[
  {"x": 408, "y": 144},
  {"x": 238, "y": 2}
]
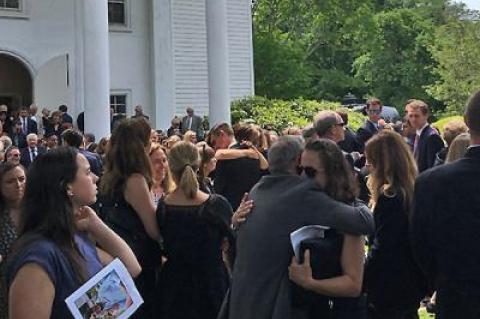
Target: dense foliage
[
  {"x": 392, "y": 49},
  {"x": 280, "y": 114}
]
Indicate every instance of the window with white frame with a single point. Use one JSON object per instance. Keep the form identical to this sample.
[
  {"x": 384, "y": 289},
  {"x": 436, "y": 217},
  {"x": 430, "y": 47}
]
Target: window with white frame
[
  {"x": 117, "y": 12},
  {"x": 10, "y": 5},
  {"x": 118, "y": 102}
]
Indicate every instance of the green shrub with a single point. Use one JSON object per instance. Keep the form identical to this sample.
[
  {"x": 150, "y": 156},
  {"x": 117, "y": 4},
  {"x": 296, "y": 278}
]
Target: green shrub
[
  {"x": 280, "y": 114},
  {"x": 441, "y": 123}
]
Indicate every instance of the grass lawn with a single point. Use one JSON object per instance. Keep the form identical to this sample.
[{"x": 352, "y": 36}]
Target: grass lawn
[{"x": 424, "y": 315}]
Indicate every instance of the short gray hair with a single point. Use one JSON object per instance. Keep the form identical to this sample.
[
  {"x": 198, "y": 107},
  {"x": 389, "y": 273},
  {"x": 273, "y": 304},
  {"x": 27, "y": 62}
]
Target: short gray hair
[
  {"x": 283, "y": 153},
  {"x": 324, "y": 120}
]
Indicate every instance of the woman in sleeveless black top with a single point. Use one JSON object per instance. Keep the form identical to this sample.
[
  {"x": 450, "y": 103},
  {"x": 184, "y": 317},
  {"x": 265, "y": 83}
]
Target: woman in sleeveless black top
[
  {"x": 196, "y": 233},
  {"x": 128, "y": 205}
]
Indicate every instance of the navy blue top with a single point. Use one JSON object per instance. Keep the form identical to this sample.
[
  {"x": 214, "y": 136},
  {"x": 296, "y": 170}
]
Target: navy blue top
[{"x": 48, "y": 255}]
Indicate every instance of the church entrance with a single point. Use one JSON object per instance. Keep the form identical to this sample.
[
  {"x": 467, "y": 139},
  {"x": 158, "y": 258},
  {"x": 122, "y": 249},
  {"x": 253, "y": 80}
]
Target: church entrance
[{"x": 16, "y": 84}]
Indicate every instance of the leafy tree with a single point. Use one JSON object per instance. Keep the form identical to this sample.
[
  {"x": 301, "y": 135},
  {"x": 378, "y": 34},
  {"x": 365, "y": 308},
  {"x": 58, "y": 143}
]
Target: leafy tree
[
  {"x": 456, "y": 50},
  {"x": 397, "y": 62}
]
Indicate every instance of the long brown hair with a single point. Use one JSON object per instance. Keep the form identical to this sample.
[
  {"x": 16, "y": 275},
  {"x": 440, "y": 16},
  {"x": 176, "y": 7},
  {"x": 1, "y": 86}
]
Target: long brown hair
[
  {"x": 341, "y": 184},
  {"x": 127, "y": 155},
  {"x": 394, "y": 168}
]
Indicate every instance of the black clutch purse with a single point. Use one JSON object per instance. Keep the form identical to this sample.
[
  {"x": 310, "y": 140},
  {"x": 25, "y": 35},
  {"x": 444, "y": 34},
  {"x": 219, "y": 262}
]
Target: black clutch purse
[{"x": 325, "y": 254}]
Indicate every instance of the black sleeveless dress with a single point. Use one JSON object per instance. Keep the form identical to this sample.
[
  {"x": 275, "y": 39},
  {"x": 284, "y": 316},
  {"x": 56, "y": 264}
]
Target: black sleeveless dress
[
  {"x": 194, "y": 280},
  {"x": 124, "y": 220}
]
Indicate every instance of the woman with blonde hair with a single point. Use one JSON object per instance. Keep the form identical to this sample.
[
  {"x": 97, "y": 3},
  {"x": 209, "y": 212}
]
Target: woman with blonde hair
[
  {"x": 194, "y": 226},
  {"x": 162, "y": 179},
  {"x": 393, "y": 281},
  {"x": 190, "y": 136},
  {"x": 458, "y": 148}
]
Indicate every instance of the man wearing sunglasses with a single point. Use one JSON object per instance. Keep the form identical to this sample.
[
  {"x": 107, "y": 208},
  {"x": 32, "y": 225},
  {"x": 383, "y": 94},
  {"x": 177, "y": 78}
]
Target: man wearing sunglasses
[{"x": 371, "y": 127}]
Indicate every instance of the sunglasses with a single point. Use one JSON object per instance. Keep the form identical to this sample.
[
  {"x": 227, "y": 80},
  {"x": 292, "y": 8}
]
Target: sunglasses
[
  {"x": 374, "y": 111},
  {"x": 310, "y": 172}
]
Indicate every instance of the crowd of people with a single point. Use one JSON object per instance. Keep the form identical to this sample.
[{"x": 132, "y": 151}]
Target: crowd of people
[{"x": 203, "y": 220}]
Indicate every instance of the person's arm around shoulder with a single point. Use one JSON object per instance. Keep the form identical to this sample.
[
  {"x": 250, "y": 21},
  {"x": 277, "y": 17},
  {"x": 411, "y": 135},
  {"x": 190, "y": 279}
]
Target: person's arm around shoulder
[
  {"x": 349, "y": 284},
  {"x": 138, "y": 196},
  {"x": 31, "y": 293},
  {"x": 230, "y": 154},
  {"x": 112, "y": 245},
  {"x": 356, "y": 220}
]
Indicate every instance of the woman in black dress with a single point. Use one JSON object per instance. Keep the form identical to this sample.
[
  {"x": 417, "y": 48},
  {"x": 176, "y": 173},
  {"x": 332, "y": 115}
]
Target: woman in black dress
[
  {"x": 393, "y": 281},
  {"x": 196, "y": 232},
  {"x": 128, "y": 206}
]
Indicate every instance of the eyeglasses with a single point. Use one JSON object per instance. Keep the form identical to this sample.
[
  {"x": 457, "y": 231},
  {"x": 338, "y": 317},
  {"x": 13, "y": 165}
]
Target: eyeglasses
[{"x": 374, "y": 111}]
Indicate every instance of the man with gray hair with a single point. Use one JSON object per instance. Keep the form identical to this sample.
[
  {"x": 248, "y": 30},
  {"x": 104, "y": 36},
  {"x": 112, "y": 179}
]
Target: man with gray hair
[
  {"x": 283, "y": 203},
  {"x": 329, "y": 124},
  {"x": 30, "y": 153}
]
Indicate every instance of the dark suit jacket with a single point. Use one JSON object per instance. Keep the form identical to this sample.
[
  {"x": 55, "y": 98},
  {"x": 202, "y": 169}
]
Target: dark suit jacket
[
  {"x": 283, "y": 203},
  {"x": 233, "y": 178},
  {"x": 19, "y": 140},
  {"x": 25, "y": 159},
  {"x": 31, "y": 126},
  {"x": 350, "y": 143},
  {"x": 365, "y": 133},
  {"x": 429, "y": 144},
  {"x": 196, "y": 125},
  {"x": 66, "y": 118},
  {"x": 446, "y": 234}
]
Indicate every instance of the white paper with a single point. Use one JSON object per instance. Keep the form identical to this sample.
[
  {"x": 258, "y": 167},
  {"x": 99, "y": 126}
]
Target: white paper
[
  {"x": 109, "y": 294},
  {"x": 306, "y": 232}
]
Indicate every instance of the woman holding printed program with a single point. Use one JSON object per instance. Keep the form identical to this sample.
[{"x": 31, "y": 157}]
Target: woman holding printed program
[{"x": 56, "y": 252}]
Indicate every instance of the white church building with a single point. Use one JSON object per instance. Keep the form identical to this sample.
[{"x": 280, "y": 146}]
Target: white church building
[{"x": 165, "y": 55}]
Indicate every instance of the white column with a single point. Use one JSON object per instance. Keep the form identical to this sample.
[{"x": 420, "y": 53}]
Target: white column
[
  {"x": 162, "y": 62},
  {"x": 96, "y": 76},
  {"x": 218, "y": 77}
]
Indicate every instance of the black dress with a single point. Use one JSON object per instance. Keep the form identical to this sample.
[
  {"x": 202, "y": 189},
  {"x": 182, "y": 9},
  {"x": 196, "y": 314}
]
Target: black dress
[
  {"x": 194, "y": 280},
  {"x": 124, "y": 220},
  {"x": 392, "y": 279}
]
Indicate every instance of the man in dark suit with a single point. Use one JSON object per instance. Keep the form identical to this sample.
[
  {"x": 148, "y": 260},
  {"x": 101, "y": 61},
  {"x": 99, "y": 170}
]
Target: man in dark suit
[
  {"x": 445, "y": 227},
  {"x": 28, "y": 125},
  {"x": 89, "y": 141},
  {"x": 192, "y": 122},
  {"x": 350, "y": 143},
  {"x": 19, "y": 139},
  {"x": 66, "y": 118},
  {"x": 74, "y": 139},
  {"x": 283, "y": 203},
  {"x": 371, "y": 127},
  {"x": 235, "y": 177},
  {"x": 30, "y": 153},
  {"x": 427, "y": 141}
]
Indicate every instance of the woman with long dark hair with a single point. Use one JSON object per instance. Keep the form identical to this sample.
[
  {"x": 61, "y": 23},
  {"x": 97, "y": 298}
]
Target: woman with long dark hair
[
  {"x": 324, "y": 162},
  {"x": 56, "y": 251},
  {"x": 126, "y": 185},
  {"x": 393, "y": 281},
  {"x": 12, "y": 188}
]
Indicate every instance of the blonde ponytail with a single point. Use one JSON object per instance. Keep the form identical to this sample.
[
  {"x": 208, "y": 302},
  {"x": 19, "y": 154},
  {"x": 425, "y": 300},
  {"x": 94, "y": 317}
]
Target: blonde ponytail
[
  {"x": 184, "y": 161},
  {"x": 189, "y": 182}
]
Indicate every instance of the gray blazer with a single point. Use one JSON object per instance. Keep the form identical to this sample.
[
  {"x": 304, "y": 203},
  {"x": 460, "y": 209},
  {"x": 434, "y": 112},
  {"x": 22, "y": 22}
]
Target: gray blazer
[
  {"x": 196, "y": 125},
  {"x": 282, "y": 204}
]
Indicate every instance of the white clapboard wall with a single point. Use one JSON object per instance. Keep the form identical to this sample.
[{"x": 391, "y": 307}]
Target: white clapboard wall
[
  {"x": 240, "y": 48},
  {"x": 189, "y": 37}
]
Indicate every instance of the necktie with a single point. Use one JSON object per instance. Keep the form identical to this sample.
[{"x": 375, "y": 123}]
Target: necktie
[
  {"x": 189, "y": 123},
  {"x": 415, "y": 144},
  {"x": 34, "y": 154},
  {"x": 25, "y": 125}
]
